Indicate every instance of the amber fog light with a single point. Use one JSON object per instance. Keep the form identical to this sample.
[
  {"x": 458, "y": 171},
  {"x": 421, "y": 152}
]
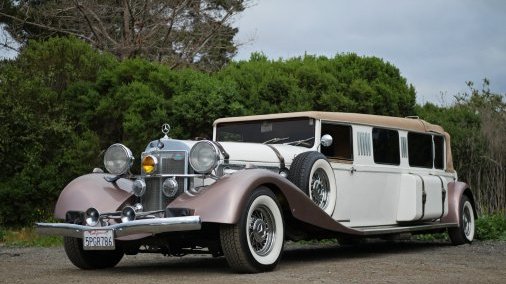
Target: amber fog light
[
  {"x": 92, "y": 217},
  {"x": 149, "y": 164}
]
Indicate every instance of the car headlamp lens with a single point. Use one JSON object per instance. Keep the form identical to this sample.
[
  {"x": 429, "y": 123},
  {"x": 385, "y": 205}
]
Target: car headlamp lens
[
  {"x": 118, "y": 159},
  {"x": 204, "y": 157},
  {"x": 149, "y": 164}
]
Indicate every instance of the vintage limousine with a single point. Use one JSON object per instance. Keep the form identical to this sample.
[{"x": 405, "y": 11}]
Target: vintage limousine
[{"x": 263, "y": 180}]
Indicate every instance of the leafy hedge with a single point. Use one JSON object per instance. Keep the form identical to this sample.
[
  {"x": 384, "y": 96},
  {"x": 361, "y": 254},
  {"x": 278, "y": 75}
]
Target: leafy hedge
[{"x": 63, "y": 103}]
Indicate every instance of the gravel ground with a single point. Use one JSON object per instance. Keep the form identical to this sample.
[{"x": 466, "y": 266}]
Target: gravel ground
[{"x": 373, "y": 262}]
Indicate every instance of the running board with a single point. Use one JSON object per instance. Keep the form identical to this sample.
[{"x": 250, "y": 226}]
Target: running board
[{"x": 380, "y": 230}]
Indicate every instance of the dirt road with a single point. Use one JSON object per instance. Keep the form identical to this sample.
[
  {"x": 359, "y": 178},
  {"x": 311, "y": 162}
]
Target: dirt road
[{"x": 377, "y": 262}]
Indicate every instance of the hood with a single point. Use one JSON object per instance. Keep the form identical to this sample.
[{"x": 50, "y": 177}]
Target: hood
[{"x": 260, "y": 154}]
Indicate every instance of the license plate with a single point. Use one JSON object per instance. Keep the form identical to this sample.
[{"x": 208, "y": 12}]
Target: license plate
[{"x": 98, "y": 240}]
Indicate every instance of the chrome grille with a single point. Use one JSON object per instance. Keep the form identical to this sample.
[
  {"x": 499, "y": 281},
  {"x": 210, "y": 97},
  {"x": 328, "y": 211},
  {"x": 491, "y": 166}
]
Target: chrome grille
[
  {"x": 152, "y": 199},
  {"x": 171, "y": 162},
  {"x": 171, "y": 166}
]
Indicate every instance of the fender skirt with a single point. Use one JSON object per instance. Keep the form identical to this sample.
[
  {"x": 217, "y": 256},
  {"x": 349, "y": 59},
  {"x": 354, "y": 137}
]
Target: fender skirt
[
  {"x": 92, "y": 190},
  {"x": 225, "y": 200}
]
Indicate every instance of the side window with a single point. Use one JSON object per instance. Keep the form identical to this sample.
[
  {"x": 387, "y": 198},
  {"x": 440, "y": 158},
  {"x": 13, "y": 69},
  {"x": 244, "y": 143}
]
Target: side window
[
  {"x": 439, "y": 153},
  {"x": 341, "y": 147},
  {"x": 385, "y": 144},
  {"x": 420, "y": 150}
]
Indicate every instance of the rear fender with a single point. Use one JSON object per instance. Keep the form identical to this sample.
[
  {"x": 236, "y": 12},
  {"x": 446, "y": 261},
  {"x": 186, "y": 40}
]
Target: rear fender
[
  {"x": 455, "y": 192},
  {"x": 93, "y": 190},
  {"x": 225, "y": 200}
]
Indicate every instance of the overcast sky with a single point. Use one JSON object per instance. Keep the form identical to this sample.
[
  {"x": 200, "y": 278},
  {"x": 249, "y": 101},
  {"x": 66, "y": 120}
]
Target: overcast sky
[{"x": 438, "y": 45}]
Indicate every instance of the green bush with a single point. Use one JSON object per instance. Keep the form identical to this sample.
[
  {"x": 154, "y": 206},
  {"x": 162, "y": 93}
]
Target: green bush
[{"x": 491, "y": 227}]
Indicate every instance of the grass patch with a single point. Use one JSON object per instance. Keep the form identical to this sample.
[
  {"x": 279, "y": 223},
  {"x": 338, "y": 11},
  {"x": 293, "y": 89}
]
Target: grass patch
[
  {"x": 432, "y": 237},
  {"x": 27, "y": 237},
  {"x": 488, "y": 227},
  {"x": 318, "y": 242}
]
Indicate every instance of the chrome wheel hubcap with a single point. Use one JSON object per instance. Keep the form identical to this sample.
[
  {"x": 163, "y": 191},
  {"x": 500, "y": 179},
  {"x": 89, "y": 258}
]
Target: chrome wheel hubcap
[
  {"x": 320, "y": 188},
  {"x": 466, "y": 219},
  {"x": 261, "y": 230}
]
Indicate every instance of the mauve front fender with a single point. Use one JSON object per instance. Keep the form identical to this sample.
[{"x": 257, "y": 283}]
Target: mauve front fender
[
  {"x": 92, "y": 190},
  {"x": 225, "y": 200}
]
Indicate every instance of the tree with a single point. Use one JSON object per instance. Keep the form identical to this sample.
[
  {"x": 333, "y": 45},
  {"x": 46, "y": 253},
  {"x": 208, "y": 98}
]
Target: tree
[
  {"x": 346, "y": 82},
  {"x": 175, "y": 32}
]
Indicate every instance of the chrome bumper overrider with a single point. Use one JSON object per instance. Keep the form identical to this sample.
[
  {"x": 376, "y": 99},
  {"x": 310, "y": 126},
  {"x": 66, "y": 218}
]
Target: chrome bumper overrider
[{"x": 150, "y": 226}]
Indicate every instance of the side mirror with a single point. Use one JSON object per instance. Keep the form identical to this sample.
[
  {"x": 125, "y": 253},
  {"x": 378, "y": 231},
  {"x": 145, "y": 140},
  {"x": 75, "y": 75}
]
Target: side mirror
[{"x": 326, "y": 140}]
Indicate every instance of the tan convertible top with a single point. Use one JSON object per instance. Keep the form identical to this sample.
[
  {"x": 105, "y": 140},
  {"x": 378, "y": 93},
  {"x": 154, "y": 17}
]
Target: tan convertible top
[
  {"x": 410, "y": 124},
  {"x": 413, "y": 124}
]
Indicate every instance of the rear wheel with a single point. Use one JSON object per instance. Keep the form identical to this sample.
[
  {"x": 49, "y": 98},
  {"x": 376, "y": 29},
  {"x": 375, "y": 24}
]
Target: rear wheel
[
  {"x": 464, "y": 233},
  {"x": 255, "y": 243},
  {"x": 86, "y": 259}
]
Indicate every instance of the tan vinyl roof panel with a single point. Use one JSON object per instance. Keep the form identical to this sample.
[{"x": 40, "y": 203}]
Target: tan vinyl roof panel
[{"x": 412, "y": 124}]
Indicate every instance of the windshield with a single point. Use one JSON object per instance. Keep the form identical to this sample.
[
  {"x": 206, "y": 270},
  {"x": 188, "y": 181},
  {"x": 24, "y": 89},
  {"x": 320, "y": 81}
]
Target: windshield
[{"x": 295, "y": 131}]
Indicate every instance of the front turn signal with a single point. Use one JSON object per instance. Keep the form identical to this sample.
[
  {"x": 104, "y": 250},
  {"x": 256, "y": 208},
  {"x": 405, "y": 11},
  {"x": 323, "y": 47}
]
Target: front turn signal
[{"x": 149, "y": 164}]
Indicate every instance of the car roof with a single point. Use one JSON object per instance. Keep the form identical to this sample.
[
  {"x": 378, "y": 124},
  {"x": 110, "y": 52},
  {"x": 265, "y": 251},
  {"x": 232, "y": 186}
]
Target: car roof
[{"x": 409, "y": 123}]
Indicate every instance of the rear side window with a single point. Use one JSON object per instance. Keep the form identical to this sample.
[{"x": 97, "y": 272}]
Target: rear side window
[
  {"x": 439, "y": 153},
  {"x": 420, "y": 150},
  {"x": 385, "y": 143}
]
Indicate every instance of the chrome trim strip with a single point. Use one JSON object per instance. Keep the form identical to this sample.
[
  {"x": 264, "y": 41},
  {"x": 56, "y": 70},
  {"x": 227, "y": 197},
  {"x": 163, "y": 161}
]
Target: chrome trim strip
[
  {"x": 152, "y": 226},
  {"x": 167, "y": 175},
  {"x": 379, "y": 230}
]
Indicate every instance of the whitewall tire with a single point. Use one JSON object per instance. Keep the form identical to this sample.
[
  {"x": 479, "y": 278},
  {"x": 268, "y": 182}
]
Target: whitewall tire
[
  {"x": 255, "y": 243},
  {"x": 464, "y": 233},
  {"x": 312, "y": 173}
]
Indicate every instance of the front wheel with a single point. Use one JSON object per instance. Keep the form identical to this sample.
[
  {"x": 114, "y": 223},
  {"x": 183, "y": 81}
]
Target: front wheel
[
  {"x": 255, "y": 243},
  {"x": 464, "y": 233},
  {"x": 86, "y": 259}
]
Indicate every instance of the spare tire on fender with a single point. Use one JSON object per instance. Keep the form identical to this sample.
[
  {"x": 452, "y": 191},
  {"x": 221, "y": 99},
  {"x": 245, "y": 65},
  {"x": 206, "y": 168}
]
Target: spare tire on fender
[{"x": 312, "y": 173}]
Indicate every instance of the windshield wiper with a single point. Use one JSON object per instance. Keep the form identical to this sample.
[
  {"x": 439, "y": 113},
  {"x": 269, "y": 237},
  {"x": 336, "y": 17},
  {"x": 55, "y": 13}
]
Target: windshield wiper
[
  {"x": 302, "y": 141},
  {"x": 276, "y": 140}
]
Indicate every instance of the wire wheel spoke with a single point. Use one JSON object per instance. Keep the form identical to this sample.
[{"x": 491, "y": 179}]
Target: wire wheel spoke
[
  {"x": 466, "y": 219},
  {"x": 261, "y": 230},
  {"x": 320, "y": 188}
]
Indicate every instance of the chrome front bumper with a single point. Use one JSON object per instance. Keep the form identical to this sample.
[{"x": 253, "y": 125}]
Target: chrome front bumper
[{"x": 149, "y": 226}]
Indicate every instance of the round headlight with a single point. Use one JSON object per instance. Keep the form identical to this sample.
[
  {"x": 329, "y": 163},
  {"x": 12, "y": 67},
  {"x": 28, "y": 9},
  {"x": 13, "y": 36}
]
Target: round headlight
[
  {"x": 118, "y": 159},
  {"x": 204, "y": 157},
  {"x": 149, "y": 164}
]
